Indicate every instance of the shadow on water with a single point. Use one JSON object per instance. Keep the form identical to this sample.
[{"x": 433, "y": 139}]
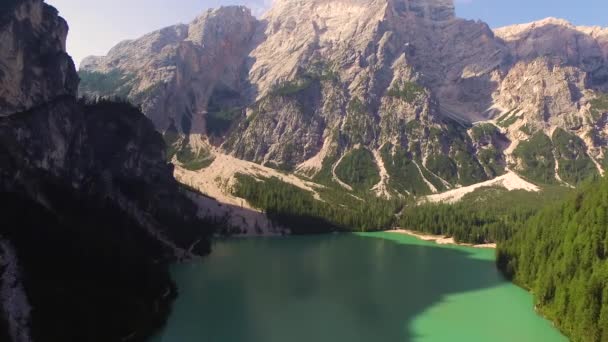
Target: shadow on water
[{"x": 318, "y": 288}]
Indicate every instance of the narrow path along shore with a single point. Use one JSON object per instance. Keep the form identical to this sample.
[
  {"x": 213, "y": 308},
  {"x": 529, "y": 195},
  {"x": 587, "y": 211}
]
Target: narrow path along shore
[{"x": 439, "y": 239}]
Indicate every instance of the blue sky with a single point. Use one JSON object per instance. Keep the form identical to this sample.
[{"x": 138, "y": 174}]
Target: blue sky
[
  {"x": 499, "y": 13},
  {"x": 96, "y": 26}
]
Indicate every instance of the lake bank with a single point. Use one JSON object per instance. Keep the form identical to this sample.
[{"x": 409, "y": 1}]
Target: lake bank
[{"x": 439, "y": 239}]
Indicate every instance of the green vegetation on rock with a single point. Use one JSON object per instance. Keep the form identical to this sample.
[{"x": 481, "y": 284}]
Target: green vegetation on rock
[
  {"x": 404, "y": 174},
  {"x": 599, "y": 106},
  {"x": 443, "y": 166},
  {"x": 171, "y": 138},
  {"x": 527, "y": 129},
  {"x": 451, "y": 155},
  {"x": 484, "y": 131},
  {"x": 358, "y": 169},
  {"x": 490, "y": 159},
  {"x": 505, "y": 115},
  {"x": 112, "y": 84},
  {"x": 223, "y": 110},
  {"x": 574, "y": 163},
  {"x": 193, "y": 160},
  {"x": 408, "y": 92},
  {"x": 219, "y": 122},
  {"x": 508, "y": 122},
  {"x": 318, "y": 71},
  {"x": 359, "y": 125},
  {"x": 469, "y": 169},
  {"x": 289, "y": 88},
  {"x": 536, "y": 158},
  {"x": 323, "y": 71},
  {"x": 486, "y": 138}
]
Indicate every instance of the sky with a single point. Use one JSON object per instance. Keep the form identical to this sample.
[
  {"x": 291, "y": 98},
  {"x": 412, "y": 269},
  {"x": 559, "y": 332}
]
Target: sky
[{"x": 96, "y": 26}]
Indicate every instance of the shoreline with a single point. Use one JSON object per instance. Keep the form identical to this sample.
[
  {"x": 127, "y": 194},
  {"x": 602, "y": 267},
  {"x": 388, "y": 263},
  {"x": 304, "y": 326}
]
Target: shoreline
[{"x": 439, "y": 239}]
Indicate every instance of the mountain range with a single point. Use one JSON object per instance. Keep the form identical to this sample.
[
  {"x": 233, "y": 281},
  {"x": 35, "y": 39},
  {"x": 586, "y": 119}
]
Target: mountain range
[
  {"x": 323, "y": 115},
  {"x": 390, "y": 97}
]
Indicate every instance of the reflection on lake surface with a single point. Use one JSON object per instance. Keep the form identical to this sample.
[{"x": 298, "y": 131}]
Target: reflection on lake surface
[{"x": 368, "y": 287}]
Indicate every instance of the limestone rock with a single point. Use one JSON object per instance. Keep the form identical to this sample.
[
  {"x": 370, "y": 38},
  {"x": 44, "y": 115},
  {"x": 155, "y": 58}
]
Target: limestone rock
[
  {"x": 317, "y": 78},
  {"x": 173, "y": 72}
]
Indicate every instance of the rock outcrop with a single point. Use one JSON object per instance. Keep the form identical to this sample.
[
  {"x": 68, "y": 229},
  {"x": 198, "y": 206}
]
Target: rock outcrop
[{"x": 92, "y": 212}]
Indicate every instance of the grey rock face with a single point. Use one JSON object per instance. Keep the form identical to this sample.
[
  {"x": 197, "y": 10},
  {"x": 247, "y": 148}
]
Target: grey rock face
[
  {"x": 28, "y": 79},
  {"x": 583, "y": 47},
  {"x": 173, "y": 72},
  {"x": 545, "y": 93}
]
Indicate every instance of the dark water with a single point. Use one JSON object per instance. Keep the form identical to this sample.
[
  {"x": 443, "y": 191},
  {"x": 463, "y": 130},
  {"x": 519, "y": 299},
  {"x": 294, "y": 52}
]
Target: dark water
[{"x": 371, "y": 287}]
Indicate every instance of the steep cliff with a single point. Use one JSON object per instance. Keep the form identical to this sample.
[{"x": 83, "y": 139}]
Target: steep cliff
[
  {"x": 93, "y": 213},
  {"x": 174, "y": 71},
  {"x": 50, "y": 67}
]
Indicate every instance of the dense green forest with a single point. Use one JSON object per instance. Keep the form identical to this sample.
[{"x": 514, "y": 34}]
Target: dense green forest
[
  {"x": 298, "y": 209},
  {"x": 486, "y": 215},
  {"x": 358, "y": 169},
  {"x": 539, "y": 154},
  {"x": 561, "y": 254}
]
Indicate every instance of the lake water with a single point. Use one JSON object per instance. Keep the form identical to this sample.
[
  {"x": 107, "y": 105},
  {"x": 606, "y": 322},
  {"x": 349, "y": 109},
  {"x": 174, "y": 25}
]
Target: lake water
[{"x": 376, "y": 287}]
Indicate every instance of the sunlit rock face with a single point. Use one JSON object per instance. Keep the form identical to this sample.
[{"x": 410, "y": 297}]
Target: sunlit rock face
[
  {"x": 313, "y": 79},
  {"x": 172, "y": 72}
]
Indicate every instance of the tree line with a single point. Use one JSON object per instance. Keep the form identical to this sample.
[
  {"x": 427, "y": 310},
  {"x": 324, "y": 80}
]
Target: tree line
[{"x": 560, "y": 255}]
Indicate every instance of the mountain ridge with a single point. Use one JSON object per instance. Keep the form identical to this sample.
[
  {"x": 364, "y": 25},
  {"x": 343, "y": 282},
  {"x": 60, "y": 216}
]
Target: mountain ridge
[{"x": 438, "y": 101}]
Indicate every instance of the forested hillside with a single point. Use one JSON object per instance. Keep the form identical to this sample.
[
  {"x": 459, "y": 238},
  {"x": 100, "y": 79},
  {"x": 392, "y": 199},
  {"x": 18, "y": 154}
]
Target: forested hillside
[
  {"x": 332, "y": 210},
  {"x": 484, "y": 216},
  {"x": 561, "y": 254}
]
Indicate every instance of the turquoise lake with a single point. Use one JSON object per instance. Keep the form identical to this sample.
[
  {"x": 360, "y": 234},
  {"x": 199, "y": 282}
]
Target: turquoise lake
[{"x": 373, "y": 287}]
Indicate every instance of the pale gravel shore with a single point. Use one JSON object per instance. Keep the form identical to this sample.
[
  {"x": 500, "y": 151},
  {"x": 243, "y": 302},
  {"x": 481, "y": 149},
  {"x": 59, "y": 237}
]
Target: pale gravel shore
[
  {"x": 510, "y": 181},
  {"x": 439, "y": 239},
  {"x": 217, "y": 182}
]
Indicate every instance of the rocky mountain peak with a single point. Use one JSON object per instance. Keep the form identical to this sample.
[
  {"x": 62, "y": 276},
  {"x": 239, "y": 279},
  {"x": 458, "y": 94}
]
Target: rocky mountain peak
[
  {"x": 583, "y": 47},
  {"x": 220, "y": 21},
  {"x": 513, "y": 31},
  {"x": 154, "y": 70},
  {"x": 315, "y": 80},
  {"x": 437, "y": 10}
]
